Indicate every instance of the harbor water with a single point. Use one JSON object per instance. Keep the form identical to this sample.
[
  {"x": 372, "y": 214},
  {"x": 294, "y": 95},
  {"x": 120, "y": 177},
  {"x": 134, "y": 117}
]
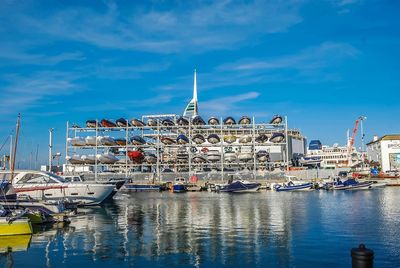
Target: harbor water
[{"x": 201, "y": 229}]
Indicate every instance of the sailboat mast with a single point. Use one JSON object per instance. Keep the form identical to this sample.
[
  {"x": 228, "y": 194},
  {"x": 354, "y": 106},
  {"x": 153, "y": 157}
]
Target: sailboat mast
[{"x": 15, "y": 147}]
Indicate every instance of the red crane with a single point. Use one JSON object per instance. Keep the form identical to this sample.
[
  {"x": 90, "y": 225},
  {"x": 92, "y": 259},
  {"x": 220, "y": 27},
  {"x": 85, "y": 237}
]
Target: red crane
[{"x": 353, "y": 136}]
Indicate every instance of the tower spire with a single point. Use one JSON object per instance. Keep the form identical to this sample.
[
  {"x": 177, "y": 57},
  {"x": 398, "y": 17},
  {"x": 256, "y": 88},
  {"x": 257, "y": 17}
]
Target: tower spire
[{"x": 192, "y": 107}]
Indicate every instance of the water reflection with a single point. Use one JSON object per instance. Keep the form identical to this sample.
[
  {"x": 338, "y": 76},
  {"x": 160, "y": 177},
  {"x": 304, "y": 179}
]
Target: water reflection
[{"x": 209, "y": 229}]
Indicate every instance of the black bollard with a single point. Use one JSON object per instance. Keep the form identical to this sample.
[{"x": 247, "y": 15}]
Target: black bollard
[{"x": 362, "y": 257}]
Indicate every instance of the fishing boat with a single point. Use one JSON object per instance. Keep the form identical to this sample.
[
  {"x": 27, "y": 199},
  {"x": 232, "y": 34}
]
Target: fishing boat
[
  {"x": 150, "y": 158},
  {"x": 167, "y": 122},
  {"x": 244, "y": 120},
  {"x": 77, "y": 141},
  {"x": 277, "y": 137},
  {"x": 199, "y": 159},
  {"x": 107, "y": 123},
  {"x": 106, "y": 158},
  {"x": 74, "y": 159},
  {"x": 120, "y": 141},
  {"x": 168, "y": 140},
  {"x": 198, "y": 121},
  {"x": 239, "y": 186},
  {"x": 182, "y": 139},
  {"x": 91, "y": 141},
  {"x": 179, "y": 185},
  {"x": 213, "y": 121},
  {"x": 261, "y": 138},
  {"x": 230, "y": 157},
  {"x": 230, "y": 138},
  {"x": 198, "y": 139},
  {"x": 245, "y": 139},
  {"x": 182, "y": 121},
  {"x": 50, "y": 187},
  {"x": 213, "y": 138},
  {"x": 262, "y": 156},
  {"x": 89, "y": 159},
  {"x": 350, "y": 184},
  {"x": 122, "y": 122},
  {"x": 139, "y": 123},
  {"x": 229, "y": 121},
  {"x": 106, "y": 141},
  {"x": 213, "y": 156},
  {"x": 137, "y": 140},
  {"x": 136, "y": 156},
  {"x": 277, "y": 119},
  {"x": 92, "y": 124}
]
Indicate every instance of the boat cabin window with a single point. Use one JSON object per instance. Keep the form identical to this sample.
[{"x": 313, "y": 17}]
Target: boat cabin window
[{"x": 36, "y": 179}]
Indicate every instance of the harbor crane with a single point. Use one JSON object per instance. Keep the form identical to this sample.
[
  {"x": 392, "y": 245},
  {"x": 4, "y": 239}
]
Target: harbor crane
[{"x": 353, "y": 136}]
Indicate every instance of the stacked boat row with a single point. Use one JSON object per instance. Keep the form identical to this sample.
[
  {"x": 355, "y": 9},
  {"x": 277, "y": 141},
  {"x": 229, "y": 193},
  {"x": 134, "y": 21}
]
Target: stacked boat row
[
  {"x": 181, "y": 139},
  {"x": 181, "y": 121}
]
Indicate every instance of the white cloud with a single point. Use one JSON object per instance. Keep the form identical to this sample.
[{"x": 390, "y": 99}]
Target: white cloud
[{"x": 229, "y": 104}]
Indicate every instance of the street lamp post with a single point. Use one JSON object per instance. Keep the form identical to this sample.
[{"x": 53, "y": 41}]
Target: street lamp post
[{"x": 50, "y": 148}]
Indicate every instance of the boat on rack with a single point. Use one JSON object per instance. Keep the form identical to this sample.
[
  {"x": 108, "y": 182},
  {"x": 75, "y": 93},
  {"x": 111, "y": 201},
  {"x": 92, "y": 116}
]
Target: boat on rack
[
  {"x": 277, "y": 137},
  {"x": 150, "y": 158},
  {"x": 310, "y": 160},
  {"x": 229, "y": 121},
  {"x": 92, "y": 124},
  {"x": 151, "y": 122},
  {"x": 230, "y": 138},
  {"x": 198, "y": 121},
  {"x": 230, "y": 157},
  {"x": 167, "y": 122},
  {"x": 239, "y": 186},
  {"x": 108, "y": 123},
  {"x": 213, "y": 121},
  {"x": 138, "y": 123},
  {"x": 198, "y": 139},
  {"x": 168, "y": 140},
  {"x": 107, "y": 158},
  {"x": 182, "y": 155},
  {"x": 136, "y": 156},
  {"x": 262, "y": 156},
  {"x": 182, "y": 121},
  {"x": 245, "y": 139},
  {"x": 91, "y": 141},
  {"x": 74, "y": 159},
  {"x": 277, "y": 119},
  {"x": 77, "y": 141},
  {"x": 199, "y": 159},
  {"x": 47, "y": 186},
  {"x": 89, "y": 159},
  {"x": 122, "y": 122},
  {"x": 213, "y": 138},
  {"x": 261, "y": 138},
  {"x": 245, "y": 156},
  {"x": 106, "y": 141},
  {"x": 182, "y": 139},
  {"x": 137, "y": 140},
  {"x": 244, "y": 120},
  {"x": 213, "y": 156},
  {"x": 120, "y": 141},
  {"x": 179, "y": 185}
]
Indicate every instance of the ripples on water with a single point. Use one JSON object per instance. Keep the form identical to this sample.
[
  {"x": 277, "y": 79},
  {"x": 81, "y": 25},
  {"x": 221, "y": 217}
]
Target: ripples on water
[{"x": 266, "y": 229}]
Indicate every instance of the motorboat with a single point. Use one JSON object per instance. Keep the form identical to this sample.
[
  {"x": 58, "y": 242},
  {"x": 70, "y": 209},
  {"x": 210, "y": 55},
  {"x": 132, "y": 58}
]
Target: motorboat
[
  {"x": 74, "y": 159},
  {"x": 230, "y": 138},
  {"x": 198, "y": 121},
  {"x": 245, "y": 139},
  {"x": 136, "y": 156},
  {"x": 142, "y": 187},
  {"x": 213, "y": 138},
  {"x": 15, "y": 226},
  {"x": 291, "y": 186},
  {"x": 182, "y": 139},
  {"x": 92, "y": 124},
  {"x": 77, "y": 141},
  {"x": 245, "y": 156},
  {"x": 122, "y": 122},
  {"x": 199, "y": 159},
  {"x": 277, "y": 119},
  {"x": 239, "y": 186},
  {"x": 168, "y": 140},
  {"x": 213, "y": 156},
  {"x": 229, "y": 121},
  {"x": 137, "y": 140},
  {"x": 182, "y": 121},
  {"x": 230, "y": 157},
  {"x": 244, "y": 120},
  {"x": 213, "y": 121},
  {"x": 120, "y": 141},
  {"x": 138, "y": 123},
  {"x": 277, "y": 137},
  {"x": 107, "y": 123},
  {"x": 91, "y": 141},
  {"x": 198, "y": 139},
  {"x": 106, "y": 141},
  {"x": 50, "y": 187},
  {"x": 350, "y": 184},
  {"x": 167, "y": 122},
  {"x": 310, "y": 160},
  {"x": 262, "y": 156},
  {"x": 89, "y": 159},
  {"x": 179, "y": 185},
  {"x": 151, "y": 122},
  {"x": 106, "y": 158},
  {"x": 182, "y": 155},
  {"x": 150, "y": 158},
  {"x": 261, "y": 138}
]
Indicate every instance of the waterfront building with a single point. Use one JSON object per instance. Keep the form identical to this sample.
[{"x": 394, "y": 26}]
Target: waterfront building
[{"x": 386, "y": 151}]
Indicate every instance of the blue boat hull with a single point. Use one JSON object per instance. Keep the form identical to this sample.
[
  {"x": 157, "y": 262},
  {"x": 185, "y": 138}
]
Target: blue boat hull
[
  {"x": 240, "y": 187},
  {"x": 300, "y": 187},
  {"x": 142, "y": 187},
  {"x": 179, "y": 188}
]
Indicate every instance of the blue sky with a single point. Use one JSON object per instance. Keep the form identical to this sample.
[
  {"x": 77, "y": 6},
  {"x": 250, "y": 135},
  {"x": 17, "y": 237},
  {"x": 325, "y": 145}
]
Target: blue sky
[{"x": 321, "y": 63}]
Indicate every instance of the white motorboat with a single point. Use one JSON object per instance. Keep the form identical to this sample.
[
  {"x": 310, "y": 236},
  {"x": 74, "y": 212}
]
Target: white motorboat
[
  {"x": 150, "y": 158},
  {"x": 50, "y": 187},
  {"x": 89, "y": 159},
  {"x": 199, "y": 159},
  {"x": 213, "y": 156},
  {"x": 106, "y": 140},
  {"x": 230, "y": 138},
  {"x": 91, "y": 141},
  {"x": 245, "y": 157},
  {"x": 107, "y": 158},
  {"x": 77, "y": 141},
  {"x": 75, "y": 159},
  {"x": 213, "y": 138},
  {"x": 230, "y": 157},
  {"x": 277, "y": 137},
  {"x": 245, "y": 139}
]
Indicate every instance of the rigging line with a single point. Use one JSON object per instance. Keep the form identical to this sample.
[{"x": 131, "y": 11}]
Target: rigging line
[{"x": 8, "y": 136}]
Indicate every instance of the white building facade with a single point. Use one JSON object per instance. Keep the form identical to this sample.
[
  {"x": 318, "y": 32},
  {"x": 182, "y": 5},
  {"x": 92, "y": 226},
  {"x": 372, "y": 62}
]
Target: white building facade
[{"x": 386, "y": 151}]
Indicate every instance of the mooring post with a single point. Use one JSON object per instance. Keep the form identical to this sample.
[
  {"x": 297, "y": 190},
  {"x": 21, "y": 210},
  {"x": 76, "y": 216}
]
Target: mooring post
[{"x": 362, "y": 257}]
